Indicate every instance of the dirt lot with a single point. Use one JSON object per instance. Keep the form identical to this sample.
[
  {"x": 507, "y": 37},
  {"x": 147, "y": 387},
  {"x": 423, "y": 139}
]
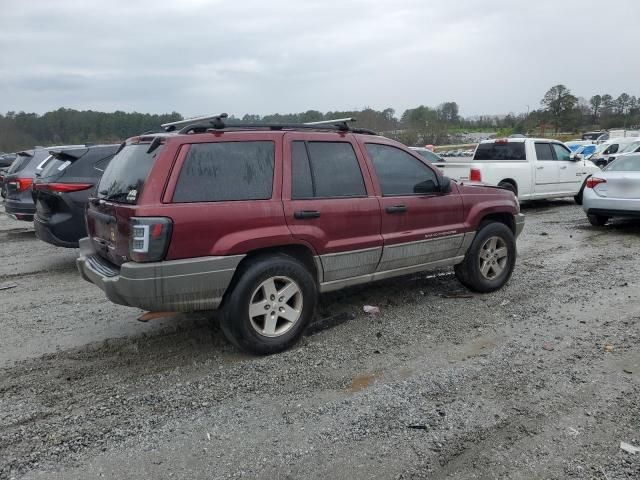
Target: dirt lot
[{"x": 515, "y": 384}]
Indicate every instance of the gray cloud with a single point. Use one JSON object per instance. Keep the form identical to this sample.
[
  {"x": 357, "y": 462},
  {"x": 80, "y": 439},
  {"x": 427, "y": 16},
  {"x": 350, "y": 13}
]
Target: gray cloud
[{"x": 201, "y": 56}]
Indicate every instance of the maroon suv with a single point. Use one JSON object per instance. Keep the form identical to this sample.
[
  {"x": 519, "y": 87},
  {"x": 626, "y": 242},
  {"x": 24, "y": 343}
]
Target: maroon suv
[{"x": 257, "y": 221}]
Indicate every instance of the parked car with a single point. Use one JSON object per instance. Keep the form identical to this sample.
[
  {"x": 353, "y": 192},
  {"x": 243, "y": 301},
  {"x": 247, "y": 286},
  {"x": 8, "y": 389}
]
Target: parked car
[
  {"x": 602, "y": 155},
  {"x": 7, "y": 159},
  {"x": 258, "y": 221},
  {"x": 429, "y": 155},
  {"x": 597, "y": 136},
  {"x": 585, "y": 151},
  {"x": 62, "y": 189},
  {"x": 532, "y": 168},
  {"x": 614, "y": 192},
  {"x": 633, "y": 147},
  {"x": 19, "y": 178}
]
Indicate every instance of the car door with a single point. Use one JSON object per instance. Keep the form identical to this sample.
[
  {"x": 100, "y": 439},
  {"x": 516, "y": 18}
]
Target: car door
[
  {"x": 571, "y": 172},
  {"x": 329, "y": 203},
  {"x": 545, "y": 170},
  {"x": 420, "y": 225}
]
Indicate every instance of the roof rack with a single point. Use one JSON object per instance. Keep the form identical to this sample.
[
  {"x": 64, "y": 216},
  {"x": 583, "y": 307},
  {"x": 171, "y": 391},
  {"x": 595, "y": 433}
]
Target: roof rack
[
  {"x": 217, "y": 123},
  {"x": 213, "y": 120}
]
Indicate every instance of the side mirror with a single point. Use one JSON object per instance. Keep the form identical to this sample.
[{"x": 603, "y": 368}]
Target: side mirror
[
  {"x": 445, "y": 184},
  {"x": 428, "y": 186}
]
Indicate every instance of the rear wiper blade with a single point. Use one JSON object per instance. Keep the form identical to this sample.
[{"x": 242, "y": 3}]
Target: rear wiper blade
[{"x": 113, "y": 196}]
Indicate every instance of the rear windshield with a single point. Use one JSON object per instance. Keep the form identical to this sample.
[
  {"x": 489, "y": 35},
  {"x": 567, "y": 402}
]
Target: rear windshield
[
  {"x": 19, "y": 163},
  {"x": 124, "y": 177},
  {"x": 53, "y": 167},
  {"x": 630, "y": 163},
  {"x": 500, "y": 151}
]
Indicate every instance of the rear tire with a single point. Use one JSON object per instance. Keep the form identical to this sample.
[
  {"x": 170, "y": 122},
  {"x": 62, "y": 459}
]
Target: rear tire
[
  {"x": 270, "y": 305},
  {"x": 490, "y": 260},
  {"x": 509, "y": 186},
  {"x": 597, "y": 220}
]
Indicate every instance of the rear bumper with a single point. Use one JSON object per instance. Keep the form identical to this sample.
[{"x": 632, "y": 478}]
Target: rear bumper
[
  {"x": 605, "y": 212},
  {"x": 19, "y": 210},
  {"x": 45, "y": 233},
  {"x": 519, "y": 223},
  {"x": 594, "y": 204},
  {"x": 175, "y": 285}
]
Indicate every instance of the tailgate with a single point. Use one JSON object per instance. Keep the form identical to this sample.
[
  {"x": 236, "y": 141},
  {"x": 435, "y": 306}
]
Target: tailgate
[
  {"x": 456, "y": 171},
  {"x": 108, "y": 228}
]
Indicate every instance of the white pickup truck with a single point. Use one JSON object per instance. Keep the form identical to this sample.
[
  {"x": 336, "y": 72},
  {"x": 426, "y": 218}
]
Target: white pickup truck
[{"x": 532, "y": 168}]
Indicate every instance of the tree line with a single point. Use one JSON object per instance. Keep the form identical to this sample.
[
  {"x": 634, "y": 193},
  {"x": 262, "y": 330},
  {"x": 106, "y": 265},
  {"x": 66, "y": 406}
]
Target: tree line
[{"x": 559, "y": 111}]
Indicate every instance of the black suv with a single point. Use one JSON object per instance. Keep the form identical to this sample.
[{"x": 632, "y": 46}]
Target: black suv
[{"x": 61, "y": 191}]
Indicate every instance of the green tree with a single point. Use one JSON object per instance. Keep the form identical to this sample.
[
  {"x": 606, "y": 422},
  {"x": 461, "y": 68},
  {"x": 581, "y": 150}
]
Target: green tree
[
  {"x": 559, "y": 102},
  {"x": 595, "y": 102}
]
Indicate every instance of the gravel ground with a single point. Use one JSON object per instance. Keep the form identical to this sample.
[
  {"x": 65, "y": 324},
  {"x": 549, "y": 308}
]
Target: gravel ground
[{"x": 538, "y": 380}]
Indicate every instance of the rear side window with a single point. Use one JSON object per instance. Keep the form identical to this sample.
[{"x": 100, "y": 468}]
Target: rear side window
[
  {"x": 226, "y": 171},
  {"x": 543, "y": 151},
  {"x": 124, "y": 178},
  {"x": 325, "y": 170},
  {"x": 398, "y": 172},
  {"x": 500, "y": 151}
]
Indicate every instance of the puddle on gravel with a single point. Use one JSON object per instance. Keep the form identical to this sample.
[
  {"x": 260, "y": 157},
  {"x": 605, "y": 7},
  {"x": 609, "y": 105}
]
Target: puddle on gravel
[{"x": 361, "y": 382}]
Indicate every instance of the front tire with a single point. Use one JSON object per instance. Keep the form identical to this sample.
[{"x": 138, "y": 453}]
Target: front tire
[
  {"x": 270, "y": 305},
  {"x": 597, "y": 220},
  {"x": 578, "y": 197},
  {"x": 490, "y": 260}
]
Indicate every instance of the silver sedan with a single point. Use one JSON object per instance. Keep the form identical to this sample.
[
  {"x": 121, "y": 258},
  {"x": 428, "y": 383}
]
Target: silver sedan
[{"x": 614, "y": 192}]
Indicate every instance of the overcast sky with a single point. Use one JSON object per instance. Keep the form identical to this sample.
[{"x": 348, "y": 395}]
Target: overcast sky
[{"x": 258, "y": 56}]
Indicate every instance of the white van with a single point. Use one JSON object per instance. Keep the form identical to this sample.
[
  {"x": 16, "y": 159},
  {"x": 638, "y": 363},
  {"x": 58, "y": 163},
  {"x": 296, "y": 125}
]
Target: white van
[{"x": 601, "y": 156}]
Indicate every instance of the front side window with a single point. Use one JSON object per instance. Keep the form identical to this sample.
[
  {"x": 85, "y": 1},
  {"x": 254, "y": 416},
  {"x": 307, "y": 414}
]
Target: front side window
[
  {"x": 226, "y": 171},
  {"x": 325, "y": 170},
  {"x": 613, "y": 148},
  {"x": 400, "y": 173},
  {"x": 562, "y": 153}
]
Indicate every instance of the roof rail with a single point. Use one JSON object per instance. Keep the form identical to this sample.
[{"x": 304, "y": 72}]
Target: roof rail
[
  {"x": 340, "y": 124},
  {"x": 214, "y": 120}
]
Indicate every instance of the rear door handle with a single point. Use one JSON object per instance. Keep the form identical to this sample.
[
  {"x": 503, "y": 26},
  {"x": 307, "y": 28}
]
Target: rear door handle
[
  {"x": 563, "y": 168},
  {"x": 396, "y": 209},
  {"x": 302, "y": 214},
  {"x": 540, "y": 168}
]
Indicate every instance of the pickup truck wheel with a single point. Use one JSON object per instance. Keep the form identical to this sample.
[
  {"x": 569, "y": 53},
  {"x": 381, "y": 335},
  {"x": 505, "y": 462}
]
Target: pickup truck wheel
[
  {"x": 597, "y": 220},
  {"x": 578, "y": 197},
  {"x": 509, "y": 186},
  {"x": 270, "y": 306},
  {"x": 490, "y": 260}
]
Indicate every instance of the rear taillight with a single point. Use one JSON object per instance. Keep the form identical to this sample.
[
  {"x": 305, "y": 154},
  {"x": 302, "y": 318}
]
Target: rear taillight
[
  {"x": 149, "y": 238},
  {"x": 475, "y": 175},
  {"x": 62, "y": 187},
  {"x": 21, "y": 184},
  {"x": 592, "y": 182}
]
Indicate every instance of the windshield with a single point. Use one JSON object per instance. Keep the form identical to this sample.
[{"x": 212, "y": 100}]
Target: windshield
[
  {"x": 629, "y": 163},
  {"x": 124, "y": 178},
  {"x": 631, "y": 147}
]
